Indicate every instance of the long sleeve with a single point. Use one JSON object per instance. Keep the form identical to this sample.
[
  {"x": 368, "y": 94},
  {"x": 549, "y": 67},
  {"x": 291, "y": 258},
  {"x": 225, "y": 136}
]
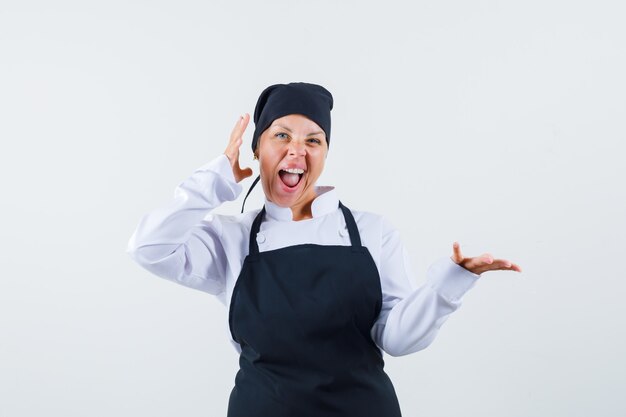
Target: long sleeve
[
  {"x": 411, "y": 316},
  {"x": 176, "y": 243}
]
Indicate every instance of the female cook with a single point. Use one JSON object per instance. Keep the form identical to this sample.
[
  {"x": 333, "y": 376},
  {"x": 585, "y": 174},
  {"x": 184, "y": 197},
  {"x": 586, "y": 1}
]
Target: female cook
[{"x": 315, "y": 291}]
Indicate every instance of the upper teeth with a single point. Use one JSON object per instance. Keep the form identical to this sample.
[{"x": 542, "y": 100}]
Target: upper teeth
[{"x": 294, "y": 170}]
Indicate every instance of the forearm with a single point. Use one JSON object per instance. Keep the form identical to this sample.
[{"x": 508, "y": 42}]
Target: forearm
[
  {"x": 161, "y": 231},
  {"x": 412, "y": 324}
]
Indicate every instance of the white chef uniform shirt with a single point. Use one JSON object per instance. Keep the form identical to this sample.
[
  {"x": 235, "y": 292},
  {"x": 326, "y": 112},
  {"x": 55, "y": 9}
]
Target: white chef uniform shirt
[{"x": 182, "y": 242}]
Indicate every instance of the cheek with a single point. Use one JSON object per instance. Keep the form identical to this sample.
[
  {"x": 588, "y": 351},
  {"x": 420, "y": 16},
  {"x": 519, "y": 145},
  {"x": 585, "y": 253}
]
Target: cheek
[
  {"x": 270, "y": 155},
  {"x": 267, "y": 169},
  {"x": 267, "y": 159},
  {"x": 317, "y": 163}
]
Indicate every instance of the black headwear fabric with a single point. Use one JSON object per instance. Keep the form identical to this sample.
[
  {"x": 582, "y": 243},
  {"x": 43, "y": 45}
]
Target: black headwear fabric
[{"x": 278, "y": 100}]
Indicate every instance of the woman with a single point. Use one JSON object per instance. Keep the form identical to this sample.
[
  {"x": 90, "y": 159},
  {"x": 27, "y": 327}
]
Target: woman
[{"x": 315, "y": 291}]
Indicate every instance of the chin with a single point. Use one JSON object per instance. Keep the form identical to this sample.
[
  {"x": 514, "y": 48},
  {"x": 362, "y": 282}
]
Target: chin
[{"x": 284, "y": 201}]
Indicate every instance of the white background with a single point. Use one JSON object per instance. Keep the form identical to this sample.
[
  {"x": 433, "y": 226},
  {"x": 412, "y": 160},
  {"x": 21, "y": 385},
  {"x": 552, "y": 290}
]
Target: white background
[{"x": 497, "y": 124}]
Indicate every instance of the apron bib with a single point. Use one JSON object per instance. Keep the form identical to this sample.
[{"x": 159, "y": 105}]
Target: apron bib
[{"x": 302, "y": 315}]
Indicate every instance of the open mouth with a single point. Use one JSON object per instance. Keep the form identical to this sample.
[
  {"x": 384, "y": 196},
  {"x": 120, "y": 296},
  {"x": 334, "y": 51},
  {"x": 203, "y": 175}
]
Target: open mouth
[{"x": 291, "y": 176}]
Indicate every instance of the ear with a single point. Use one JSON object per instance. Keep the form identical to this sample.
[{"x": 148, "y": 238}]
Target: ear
[{"x": 256, "y": 151}]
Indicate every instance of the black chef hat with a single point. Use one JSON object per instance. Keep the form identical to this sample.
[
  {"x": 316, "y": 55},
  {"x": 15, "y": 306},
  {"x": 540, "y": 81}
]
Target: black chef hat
[{"x": 278, "y": 100}]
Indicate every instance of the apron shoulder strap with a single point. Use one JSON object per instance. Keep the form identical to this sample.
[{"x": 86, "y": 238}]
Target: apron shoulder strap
[
  {"x": 256, "y": 225},
  {"x": 249, "y": 191},
  {"x": 355, "y": 237}
]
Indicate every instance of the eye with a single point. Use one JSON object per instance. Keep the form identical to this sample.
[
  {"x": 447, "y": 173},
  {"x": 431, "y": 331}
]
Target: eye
[
  {"x": 278, "y": 135},
  {"x": 315, "y": 140}
]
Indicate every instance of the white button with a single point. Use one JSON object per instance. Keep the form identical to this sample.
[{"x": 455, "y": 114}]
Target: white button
[
  {"x": 343, "y": 232},
  {"x": 260, "y": 237}
]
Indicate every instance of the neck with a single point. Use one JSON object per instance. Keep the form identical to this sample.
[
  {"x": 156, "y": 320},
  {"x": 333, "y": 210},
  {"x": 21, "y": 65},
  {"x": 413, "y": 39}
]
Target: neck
[{"x": 302, "y": 211}]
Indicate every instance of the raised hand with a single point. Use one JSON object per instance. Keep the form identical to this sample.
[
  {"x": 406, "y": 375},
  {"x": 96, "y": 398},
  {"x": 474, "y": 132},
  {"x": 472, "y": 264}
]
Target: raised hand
[
  {"x": 232, "y": 150},
  {"x": 482, "y": 263}
]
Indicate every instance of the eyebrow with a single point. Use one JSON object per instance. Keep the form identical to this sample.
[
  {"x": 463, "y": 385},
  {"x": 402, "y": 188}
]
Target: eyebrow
[{"x": 289, "y": 130}]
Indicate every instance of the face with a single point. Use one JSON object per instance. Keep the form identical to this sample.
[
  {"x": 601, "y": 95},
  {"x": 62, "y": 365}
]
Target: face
[{"x": 297, "y": 144}]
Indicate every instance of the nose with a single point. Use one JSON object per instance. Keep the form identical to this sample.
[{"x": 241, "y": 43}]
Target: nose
[{"x": 296, "y": 148}]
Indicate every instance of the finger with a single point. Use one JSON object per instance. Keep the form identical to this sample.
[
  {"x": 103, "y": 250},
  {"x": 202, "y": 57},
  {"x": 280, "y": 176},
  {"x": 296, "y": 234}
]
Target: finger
[
  {"x": 246, "y": 172},
  {"x": 240, "y": 173},
  {"x": 502, "y": 264},
  {"x": 515, "y": 267},
  {"x": 483, "y": 262},
  {"x": 506, "y": 264},
  {"x": 244, "y": 122},
  {"x": 237, "y": 138},
  {"x": 232, "y": 150},
  {"x": 235, "y": 144},
  {"x": 232, "y": 147},
  {"x": 486, "y": 258},
  {"x": 240, "y": 127},
  {"x": 456, "y": 249},
  {"x": 233, "y": 133},
  {"x": 231, "y": 153}
]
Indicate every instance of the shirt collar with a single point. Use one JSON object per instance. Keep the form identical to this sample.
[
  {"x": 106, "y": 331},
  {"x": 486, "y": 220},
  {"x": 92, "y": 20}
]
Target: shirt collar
[{"x": 326, "y": 202}]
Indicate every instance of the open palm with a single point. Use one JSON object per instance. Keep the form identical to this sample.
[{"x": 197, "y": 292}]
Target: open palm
[
  {"x": 232, "y": 150},
  {"x": 482, "y": 263}
]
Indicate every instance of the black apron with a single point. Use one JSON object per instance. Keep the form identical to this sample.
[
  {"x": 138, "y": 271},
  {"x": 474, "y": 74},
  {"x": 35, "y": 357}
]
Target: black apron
[{"x": 302, "y": 316}]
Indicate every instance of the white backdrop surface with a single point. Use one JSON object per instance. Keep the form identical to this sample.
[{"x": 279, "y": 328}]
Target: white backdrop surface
[{"x": 497, "y": 124}]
